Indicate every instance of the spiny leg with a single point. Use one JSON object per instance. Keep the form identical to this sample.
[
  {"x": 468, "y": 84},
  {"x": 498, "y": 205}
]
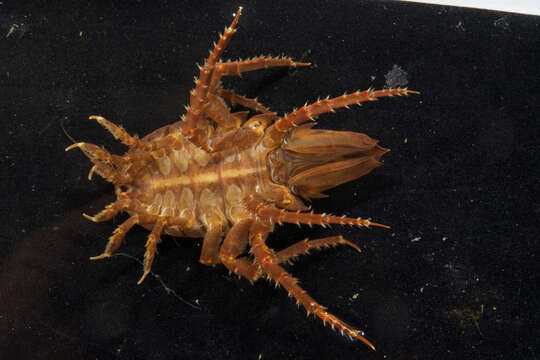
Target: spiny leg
[
  {"x": 236, "y": 242},
  {"x": 210, "y": 246},
  {"x": 273, "y": 214},
  {"x": 117, "y": 237},
  {"x": 109, "y": 212},
  {"x": 268, "y": 261},
  {"x": 198, "y": 94},
  {"x": 236, "y": 68},
  {"x": 304, "y": 246},
  {"x": 97, "y": 154},
  {"x": 237, "y": 239},
  {"x": 240, "y": 66},
  {"x": 234, "y": 245},
  {"x": 308, "y": 112},
  {"x": 105, "y": 164},
  {"x": 118, "y": 132},
  {"x": 151, "y": 247},
  {"x": 233, "y": 98}
]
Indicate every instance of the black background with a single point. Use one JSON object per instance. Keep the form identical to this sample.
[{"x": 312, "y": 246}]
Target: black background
[{"x": 456, "y": 275}]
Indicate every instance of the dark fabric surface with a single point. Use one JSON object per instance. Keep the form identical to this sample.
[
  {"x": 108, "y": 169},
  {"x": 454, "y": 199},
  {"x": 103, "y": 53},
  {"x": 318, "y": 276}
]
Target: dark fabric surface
[{"x": 456, "y": 275}]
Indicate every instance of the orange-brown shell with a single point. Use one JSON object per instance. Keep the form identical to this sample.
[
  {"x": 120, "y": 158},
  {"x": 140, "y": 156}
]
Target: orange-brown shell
[{"x": 229, "y": 177}]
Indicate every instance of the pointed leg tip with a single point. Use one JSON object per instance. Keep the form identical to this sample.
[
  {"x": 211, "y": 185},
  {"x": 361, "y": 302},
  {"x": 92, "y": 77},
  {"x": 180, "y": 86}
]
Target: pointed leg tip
[
  {"x": 365, "y": 341},
  {"x": 379, "y": 225},
  {"x": 99, "y": 257},
  {"x": 88, "y": 217},
  {"x": 145, "y": 274},
  {"x": 91, "y": 172},
  {"x": 353, "y": 245},
  {"x": 73, "y": 146}
]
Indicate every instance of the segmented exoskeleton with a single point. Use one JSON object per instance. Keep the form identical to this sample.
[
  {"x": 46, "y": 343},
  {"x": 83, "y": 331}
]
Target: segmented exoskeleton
[{"x": 230, "y": 177}]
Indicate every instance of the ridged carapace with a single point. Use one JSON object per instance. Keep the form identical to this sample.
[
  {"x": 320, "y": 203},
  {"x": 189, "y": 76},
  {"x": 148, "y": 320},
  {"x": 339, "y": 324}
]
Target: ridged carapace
[{"x": 229, "y": 177}]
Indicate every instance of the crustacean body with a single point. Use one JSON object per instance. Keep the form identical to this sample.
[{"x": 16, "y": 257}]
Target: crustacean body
[{"x": 230, "y": 177}]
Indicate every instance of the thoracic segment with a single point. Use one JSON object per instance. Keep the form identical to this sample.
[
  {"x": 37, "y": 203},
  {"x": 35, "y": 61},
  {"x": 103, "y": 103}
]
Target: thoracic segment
[{"x": 230, "y": 178}]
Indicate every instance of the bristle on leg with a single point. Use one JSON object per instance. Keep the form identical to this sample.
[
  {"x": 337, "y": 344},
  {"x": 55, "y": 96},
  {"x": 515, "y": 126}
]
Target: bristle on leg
[
  {"x": 268, "y": 262},
  {"x": 273, "y": 214},
  {"x": 118, "y": 132}
]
